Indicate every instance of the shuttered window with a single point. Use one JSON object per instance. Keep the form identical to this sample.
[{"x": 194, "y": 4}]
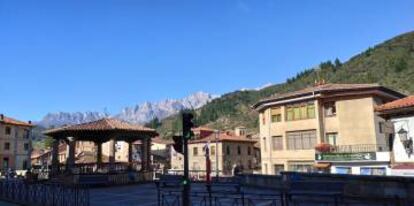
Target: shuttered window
[{"x": 300, "y": 140}]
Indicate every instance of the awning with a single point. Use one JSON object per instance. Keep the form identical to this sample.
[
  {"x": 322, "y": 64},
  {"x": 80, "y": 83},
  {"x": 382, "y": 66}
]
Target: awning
[{"x": 322, "y": 165}]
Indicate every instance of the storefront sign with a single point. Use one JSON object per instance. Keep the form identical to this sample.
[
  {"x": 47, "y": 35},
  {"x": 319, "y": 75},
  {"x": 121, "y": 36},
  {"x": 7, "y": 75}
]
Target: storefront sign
[{"x": 345, "y": 156}]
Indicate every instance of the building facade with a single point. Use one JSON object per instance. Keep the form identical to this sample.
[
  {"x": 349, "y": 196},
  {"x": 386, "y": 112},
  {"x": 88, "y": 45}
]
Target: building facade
[
  {"x": 400, "y": 115},
  {"x": 226, "y": 150},
  {"x": 15, "y": 143},
  {"x": 339, "y": 119}
]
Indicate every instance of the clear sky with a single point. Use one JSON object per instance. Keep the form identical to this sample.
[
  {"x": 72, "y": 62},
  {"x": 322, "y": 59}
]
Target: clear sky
[{"x": 82, "y": 55}]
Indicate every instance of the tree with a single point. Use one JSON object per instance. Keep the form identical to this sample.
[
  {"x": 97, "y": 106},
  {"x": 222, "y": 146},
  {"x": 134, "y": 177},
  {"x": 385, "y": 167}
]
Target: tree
[
  {"x": 154, "y": 123},
  {"x": 47, "y": 142},
  {"x": 337, "y": 63}
]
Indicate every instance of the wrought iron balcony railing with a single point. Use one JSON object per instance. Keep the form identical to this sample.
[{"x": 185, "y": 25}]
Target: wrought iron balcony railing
[{"x": 359, "y": 148}]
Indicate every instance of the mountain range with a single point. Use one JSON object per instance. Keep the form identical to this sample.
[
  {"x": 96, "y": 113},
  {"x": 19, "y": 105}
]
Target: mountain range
[
  {"x": 140, "y": 113},
  {"x": 390, "y": 64}
]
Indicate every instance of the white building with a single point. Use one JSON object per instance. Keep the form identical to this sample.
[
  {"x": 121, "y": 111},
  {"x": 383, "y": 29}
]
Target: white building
[{"x": 400, "y": 114}]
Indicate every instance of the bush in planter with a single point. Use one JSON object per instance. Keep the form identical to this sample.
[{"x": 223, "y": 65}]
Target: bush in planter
[{"x": 323, "y": 147}]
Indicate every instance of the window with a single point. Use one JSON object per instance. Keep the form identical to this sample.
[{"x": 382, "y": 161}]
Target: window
[
  {"x": 300, "y": 140},
  {"x": 238, "y": 150},
  {"x": 249, "y": 164},
  {"x": 278, "y": 168},
  {"x": 381, "y": 127},
  {"x": 264, "y": 144},
  {"x": 195, "y": 151},
  {"x": 300, "y": 111},
  {"x": 330, "y": 109},
  {"x": 249, "y": 150},
  {"x": 331, "y": 138},
  {"x": 228, "y": 150},
  {"x": 8, "y": 130},
  {"x": 343, "y": 170},
  {"x": 289, "y": 114},
  {"x": 26, "y": 134},
  {"x": 263, "y": 118},
  {"x": 25, "y": 164},
  {"x": 5, "y": 162},
  {"x": 26, "y": 147},
  {"x": 373, "y": 171},
  {"x": 213, "y": 150},
  {"x": 7, "y": 146},
  {"x": 301, "y": 167},
  {"x": 277, "y": 143},
  {"x": 276, "y": 114}
]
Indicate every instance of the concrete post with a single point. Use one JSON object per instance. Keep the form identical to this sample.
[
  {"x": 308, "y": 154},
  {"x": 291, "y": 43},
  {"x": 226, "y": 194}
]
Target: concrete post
[{"x": 55, "y": 157}]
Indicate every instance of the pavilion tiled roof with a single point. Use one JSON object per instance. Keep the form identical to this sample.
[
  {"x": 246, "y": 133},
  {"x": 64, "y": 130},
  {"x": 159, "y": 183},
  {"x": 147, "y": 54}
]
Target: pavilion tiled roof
[
  {"x": 325, "y": 88},
  {"x": 397, "y": 104},
  {"x": 223, "y": 137},
  {"x": 105, "y": 124},
  {"x": 8, "y": 120}
]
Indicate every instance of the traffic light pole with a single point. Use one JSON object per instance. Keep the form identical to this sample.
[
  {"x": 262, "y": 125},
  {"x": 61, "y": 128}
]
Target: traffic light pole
[{"x": 187, "y": 187}]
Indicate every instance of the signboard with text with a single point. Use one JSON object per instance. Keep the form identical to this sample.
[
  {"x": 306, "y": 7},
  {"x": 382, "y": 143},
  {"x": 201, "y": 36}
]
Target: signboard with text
[{"x": 361, "y": 156}]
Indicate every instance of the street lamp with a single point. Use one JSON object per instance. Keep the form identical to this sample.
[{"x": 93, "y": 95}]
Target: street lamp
[{"x": 406, "y": 141}]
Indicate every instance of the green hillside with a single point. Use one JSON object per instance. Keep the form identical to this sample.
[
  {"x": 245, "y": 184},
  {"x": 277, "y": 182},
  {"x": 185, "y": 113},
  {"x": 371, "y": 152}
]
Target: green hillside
[{"x": 390, "y": 64}]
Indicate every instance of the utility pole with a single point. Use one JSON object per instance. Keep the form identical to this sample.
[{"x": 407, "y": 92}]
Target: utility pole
[{"x": 187, "y": 135}]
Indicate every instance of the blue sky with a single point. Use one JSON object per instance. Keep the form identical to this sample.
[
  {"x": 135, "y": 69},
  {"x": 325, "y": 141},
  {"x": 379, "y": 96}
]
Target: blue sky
[{"x": 82, "y": 55}]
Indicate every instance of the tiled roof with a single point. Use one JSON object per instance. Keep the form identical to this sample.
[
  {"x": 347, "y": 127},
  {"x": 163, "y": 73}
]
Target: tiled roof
[
  {"x": 9, "y": 120},
  {"x": 202, "y": 129},
  {"x": 223, "y": 137},
  {"x": 397, "y": 104},
  {"x": 160, "y": 140},
  {"x": 105, "y": 124},
  {"x": 325, "y": 88}
]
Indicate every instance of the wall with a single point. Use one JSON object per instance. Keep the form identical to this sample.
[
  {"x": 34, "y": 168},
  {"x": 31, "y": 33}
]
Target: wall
[
  {"x": 355, "y": 122},
  {"x": 17, "y": 139}
]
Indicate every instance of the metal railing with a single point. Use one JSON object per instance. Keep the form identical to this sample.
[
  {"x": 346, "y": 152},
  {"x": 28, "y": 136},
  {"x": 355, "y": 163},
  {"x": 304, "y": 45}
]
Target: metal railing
[
  {"x": 359, "y": 148},
  {"x": 24, "y": 193},
  {"x": 275, "y": 198}
]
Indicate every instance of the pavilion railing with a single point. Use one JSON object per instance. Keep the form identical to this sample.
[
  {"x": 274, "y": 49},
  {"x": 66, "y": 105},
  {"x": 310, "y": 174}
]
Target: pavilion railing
[{"x": 41, "y": 194}]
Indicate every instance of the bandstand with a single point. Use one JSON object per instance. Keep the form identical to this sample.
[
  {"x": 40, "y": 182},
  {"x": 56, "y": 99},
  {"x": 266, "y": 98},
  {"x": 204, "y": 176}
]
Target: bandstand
[{"x": 109, "y": 131}]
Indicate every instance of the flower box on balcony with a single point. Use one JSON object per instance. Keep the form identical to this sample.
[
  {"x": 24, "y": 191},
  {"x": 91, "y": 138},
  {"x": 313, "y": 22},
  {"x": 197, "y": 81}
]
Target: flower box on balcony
[{"x": 323, "y": 147}]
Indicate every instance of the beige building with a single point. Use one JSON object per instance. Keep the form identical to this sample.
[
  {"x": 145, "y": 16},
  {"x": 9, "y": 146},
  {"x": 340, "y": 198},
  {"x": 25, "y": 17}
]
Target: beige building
[
  {"x": 15, "y": 143},
  {"x": 339, "y": 119},
  {"x": 227, "y": 149}
]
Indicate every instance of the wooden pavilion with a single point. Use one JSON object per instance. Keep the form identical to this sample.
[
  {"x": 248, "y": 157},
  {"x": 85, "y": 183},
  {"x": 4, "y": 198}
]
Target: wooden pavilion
[{"x": 102, "y": 131}]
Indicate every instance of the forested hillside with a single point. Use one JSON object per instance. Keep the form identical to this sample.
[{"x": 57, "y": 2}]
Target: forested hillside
[{"x": 390, "y": 64}]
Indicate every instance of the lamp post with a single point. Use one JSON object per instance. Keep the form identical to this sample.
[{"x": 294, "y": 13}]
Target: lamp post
[
  {"x": 406, "y": 141},
  {"x": 217, "y": 161}
]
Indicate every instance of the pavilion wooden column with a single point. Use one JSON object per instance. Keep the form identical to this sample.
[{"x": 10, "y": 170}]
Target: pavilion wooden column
[
  {"x": 130, "y": 155},
  {"x": 55, "y": 157},
  {"x": 148, "y": 151},
  {"x": 112, "y": 154},
  {"x": 98, "y": 154},
  {"x": 146, "y": 154},
  {"x": 70, "y": 162},
  {"x": 143, "y": 156}
]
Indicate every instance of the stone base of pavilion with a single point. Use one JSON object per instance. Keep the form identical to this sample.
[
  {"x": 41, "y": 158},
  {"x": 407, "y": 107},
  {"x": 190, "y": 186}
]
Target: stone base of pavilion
[
  {"x": 109, "y": 179},
  {"x": 100, "y": 173}
]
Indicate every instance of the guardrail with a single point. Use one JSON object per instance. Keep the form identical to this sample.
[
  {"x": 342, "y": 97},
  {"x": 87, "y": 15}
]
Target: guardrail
[{"x": 40, "y": 194}]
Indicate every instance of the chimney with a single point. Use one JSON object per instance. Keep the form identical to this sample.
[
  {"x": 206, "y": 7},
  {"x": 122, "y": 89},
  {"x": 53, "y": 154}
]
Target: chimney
[
  {"x": 30, "y": 122},
  {"x": 1, "y": 117}
]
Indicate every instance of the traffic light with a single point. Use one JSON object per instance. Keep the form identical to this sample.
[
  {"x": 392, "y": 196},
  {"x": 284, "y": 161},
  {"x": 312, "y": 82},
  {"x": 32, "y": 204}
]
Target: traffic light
[
  {"x": 187, "y": 125},
  {"x": 178, "y": 144}
]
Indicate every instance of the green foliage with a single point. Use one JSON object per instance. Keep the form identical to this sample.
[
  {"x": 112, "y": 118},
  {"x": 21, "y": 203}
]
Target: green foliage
[{"x": 390, "y": 64}]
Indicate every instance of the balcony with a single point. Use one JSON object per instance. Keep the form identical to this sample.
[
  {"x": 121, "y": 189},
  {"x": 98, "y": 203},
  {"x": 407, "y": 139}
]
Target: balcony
[{"x": 358, "y": 148}]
